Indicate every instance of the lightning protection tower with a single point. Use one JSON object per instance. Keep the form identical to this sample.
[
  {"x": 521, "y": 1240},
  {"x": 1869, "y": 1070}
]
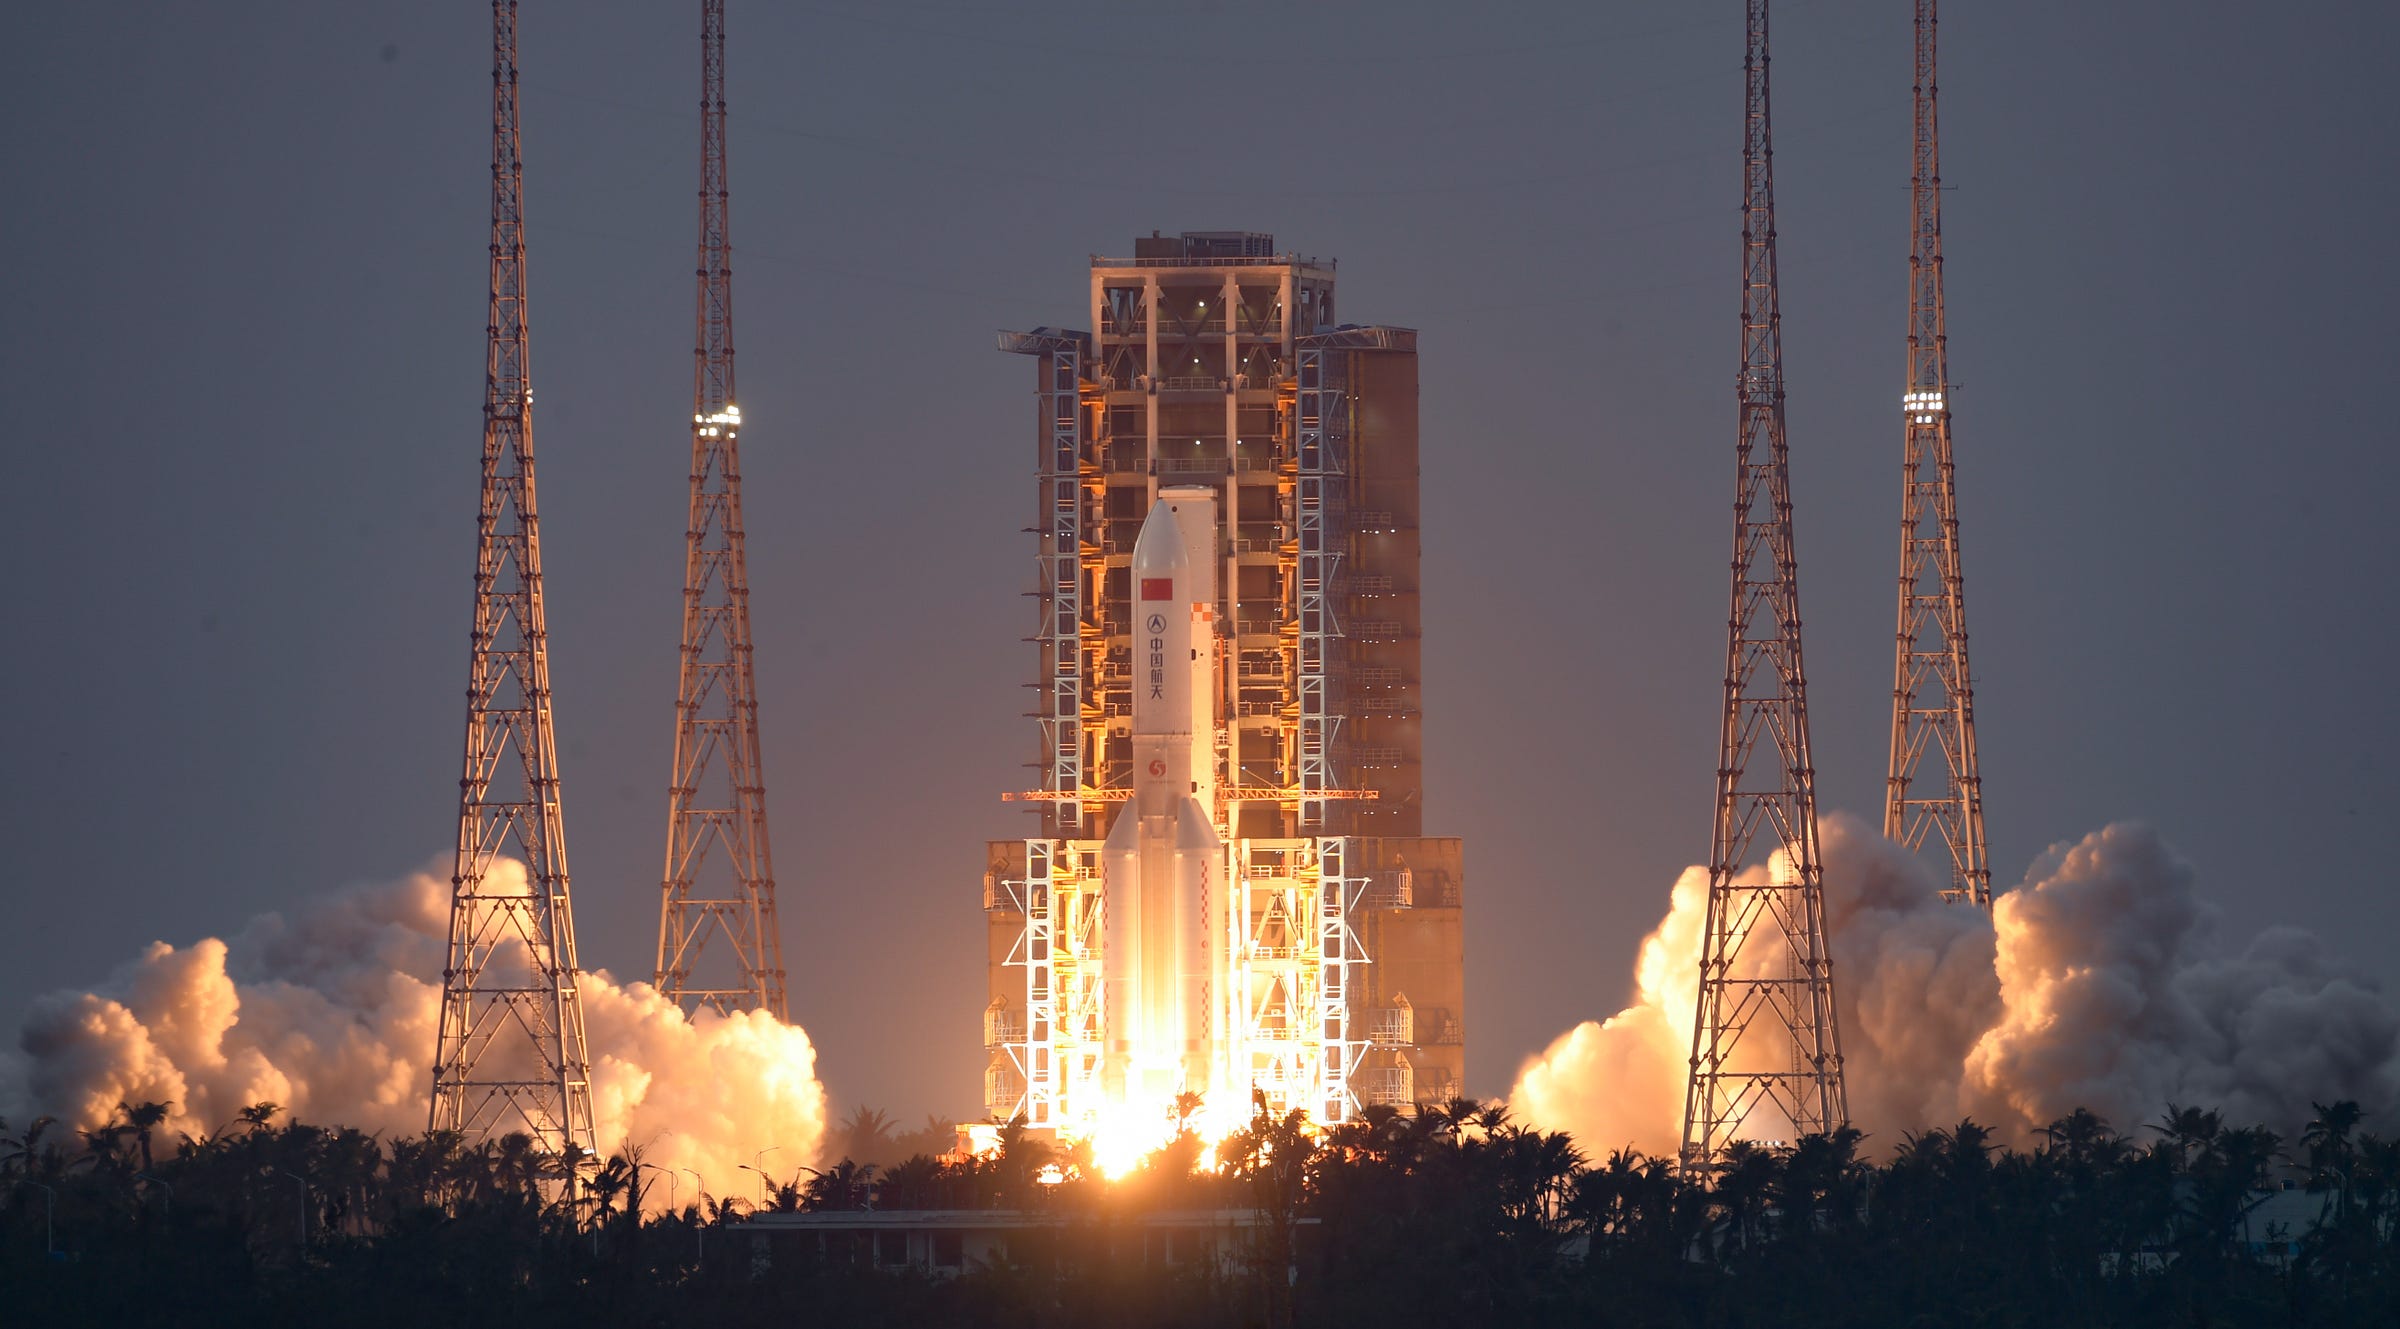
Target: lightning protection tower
[
  {"x": 716, "y": 807},
  {"x": 510, "y": 1055},
  {"x": 1765, "y": 1032},
  {"x": 1933, "y": 694}
]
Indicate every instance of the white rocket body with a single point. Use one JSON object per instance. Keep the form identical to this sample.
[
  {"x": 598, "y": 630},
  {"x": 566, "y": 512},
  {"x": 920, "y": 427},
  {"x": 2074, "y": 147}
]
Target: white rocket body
[{"x": 1161, "y": 865}]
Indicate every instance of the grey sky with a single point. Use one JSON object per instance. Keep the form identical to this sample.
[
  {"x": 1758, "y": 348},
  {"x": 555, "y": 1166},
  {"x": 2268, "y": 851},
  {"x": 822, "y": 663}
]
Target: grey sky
[{"x": 240, "y": 380}]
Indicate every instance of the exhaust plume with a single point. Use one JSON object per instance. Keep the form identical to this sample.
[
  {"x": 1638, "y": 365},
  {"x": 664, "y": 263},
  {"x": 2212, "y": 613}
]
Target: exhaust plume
[
  {"x": 331, "y": 1012},
  {"x": 2096, "y": 983}
]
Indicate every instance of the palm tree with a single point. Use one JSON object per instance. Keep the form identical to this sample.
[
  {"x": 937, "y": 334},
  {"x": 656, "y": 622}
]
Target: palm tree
[
  {"x": 2331, "y": 1156},
  {"x": 516, "y": 1165},
  {"x": 101, "y": 1143},
  {"x": 937, "y": 1137},
  {"x": 1020, "y": 1161},
  {"x": 1187, "y": 1103},
  {"x": 2190, "y": 1130},
  {"x": 142, "y": 1119},
  {"x": 1822, "y": 1177},
  {"x": 866, "y": 1135},
  {"x": 915, "y": 1182},
  {"x": 2376, "y": 1175},
  {"x": 26, "y": 1153},
  {"x": 608, "y": 1184},
  {"x": 2225, "y": 1181},
  {"x": 845, "y": 1185},
  {"x": 1743, "y": 1180},
  {"x": 350, "y": 1162},
  {"x": 2082, "y": 1137},
  {"x": 1605, "y": 1198}
]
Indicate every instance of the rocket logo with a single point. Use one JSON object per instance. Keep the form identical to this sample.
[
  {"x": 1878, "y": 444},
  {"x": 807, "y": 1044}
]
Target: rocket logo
[
  {"x": 1158, "y": 588},
  {"x": 1157, "y": 768}
]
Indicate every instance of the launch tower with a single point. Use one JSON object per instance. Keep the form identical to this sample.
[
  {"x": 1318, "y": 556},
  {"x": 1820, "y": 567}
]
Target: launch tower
[
  {"x": 716, "y": 807},
  {"x": 1218, "y": 371},
  {"x": 1765, "y": 1033},
  {"x": 510, "y": 1055},
  {"x": 1933, "y": 692}
]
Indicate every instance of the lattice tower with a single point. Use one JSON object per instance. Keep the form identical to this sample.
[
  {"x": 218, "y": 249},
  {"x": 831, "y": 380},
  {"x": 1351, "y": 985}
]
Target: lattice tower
[
  {"x": 510, "y": 1055},
  {"x": 1933, "y": 693},
  {"x": 716, "y": 807},
  {"x": 1765, "y": 1030}
]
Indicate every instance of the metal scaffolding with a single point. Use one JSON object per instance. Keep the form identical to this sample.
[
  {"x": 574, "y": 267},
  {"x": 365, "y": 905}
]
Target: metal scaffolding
[
  {"x": 1765, "y": 1030},
  {"x": 1339, "y": 956},
  {"x": 1064, "y": 632},
  {"x": 1320, "y": 451},
  {"x": 1933, "y": 691},
  {"x": 1217, "y": 363},
  {"x": 510, "y": 1052}
]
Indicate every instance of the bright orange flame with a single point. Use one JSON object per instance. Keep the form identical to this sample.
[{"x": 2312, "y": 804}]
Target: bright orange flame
[{"x": 1125, "y": 1133}]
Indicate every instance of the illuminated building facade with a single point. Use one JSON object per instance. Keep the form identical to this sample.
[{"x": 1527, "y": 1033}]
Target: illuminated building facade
[{"x": 1219, "y": 370}]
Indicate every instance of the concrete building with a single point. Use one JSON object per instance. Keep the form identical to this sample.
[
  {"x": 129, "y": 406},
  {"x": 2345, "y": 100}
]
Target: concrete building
[{"x": 1219, "y": 363}]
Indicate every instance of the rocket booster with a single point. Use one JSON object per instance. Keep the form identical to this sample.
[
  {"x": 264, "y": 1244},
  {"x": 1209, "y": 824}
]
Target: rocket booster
[{"x": 1161, "y": 858}]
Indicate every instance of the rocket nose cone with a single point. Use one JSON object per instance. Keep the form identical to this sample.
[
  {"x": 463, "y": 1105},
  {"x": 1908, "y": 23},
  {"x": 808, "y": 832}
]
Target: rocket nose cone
[
  {"x": 1159, "y": 550},
  {"x": 1193, "y": 829},
  {"x": 1123, "y": 835}
]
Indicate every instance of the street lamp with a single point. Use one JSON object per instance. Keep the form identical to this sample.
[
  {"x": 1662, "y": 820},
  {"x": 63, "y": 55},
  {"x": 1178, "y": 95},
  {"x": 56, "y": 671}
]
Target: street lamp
[
  {"x": 699, "y": 1220},
  {"x": 49, "y": 1218},
  {"x": 672, "y": 1206},
  {"x": 159, "y": 1181},
  {"x": 303, "y": 1184},
  {"x": 754, "y": 1165}
]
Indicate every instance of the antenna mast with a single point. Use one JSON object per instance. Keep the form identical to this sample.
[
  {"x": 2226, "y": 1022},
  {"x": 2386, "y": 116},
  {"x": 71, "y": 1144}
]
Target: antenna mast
[
  {"x": 718, "y": 798},
  {"x": 1765, "y": 1031},
  {"x": 510, "y": 1055},
  {"x": 1933, "y": 694}
]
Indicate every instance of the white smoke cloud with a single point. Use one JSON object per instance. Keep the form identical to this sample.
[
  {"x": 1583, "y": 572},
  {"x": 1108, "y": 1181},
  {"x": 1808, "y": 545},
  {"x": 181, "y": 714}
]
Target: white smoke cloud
[
  {"x": 2118, "y": 999},
  {"x": 2096, "y": 983},
  {"x": 1618, "y": 1083},
  {"x": 332, "y": 1012}
]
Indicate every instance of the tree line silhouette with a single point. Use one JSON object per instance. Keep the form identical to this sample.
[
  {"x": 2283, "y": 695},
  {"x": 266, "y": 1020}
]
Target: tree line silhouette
[{"x": 1454, "y": 1215}]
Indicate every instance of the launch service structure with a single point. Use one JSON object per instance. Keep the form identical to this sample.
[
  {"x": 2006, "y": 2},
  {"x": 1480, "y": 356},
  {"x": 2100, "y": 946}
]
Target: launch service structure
[{"x": 1230, "y": 894}]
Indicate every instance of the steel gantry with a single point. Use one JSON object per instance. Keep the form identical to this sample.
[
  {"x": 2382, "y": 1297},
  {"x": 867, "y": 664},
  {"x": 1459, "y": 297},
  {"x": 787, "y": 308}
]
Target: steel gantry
[
  {"x": 716, "y": 804},
  {"x": 1065, "y": 634},
  {"x": 1933, "y": 691},
  {"x": 1217, "y": 363},
  {"x": 510, "y": 1054},
  {"x": 1765, "y": 1031},
  {"x": 1320, "y": 448}
]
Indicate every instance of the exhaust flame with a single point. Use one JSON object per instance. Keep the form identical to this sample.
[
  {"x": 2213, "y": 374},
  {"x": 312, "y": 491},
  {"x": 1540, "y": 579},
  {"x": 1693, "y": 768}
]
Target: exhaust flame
[
  {"x": 331, "y": 1012},
  {"x": 2096, "y": 983}
]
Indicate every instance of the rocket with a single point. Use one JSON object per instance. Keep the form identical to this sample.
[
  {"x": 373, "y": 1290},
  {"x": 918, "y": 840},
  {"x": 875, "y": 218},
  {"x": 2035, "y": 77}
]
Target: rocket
[{"x": 1161, "y": 864}]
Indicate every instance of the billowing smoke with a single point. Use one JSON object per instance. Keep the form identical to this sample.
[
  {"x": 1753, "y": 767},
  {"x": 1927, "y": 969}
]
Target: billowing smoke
[
  {"x": 331, "y": 1012},
  {"x": 2096, "y": 983}
]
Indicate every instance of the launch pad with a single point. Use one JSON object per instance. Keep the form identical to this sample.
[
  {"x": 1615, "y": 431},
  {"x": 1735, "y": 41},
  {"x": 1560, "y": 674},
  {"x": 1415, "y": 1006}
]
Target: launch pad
[{"x": 1230, "y": 896}]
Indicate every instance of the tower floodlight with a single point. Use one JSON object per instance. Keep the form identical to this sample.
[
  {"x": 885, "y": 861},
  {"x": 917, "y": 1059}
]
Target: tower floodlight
[
  {"x": 510, "y": 1054},
  {"x": 1765, "y": 1031},
  {"x": 1933, "y": 693},
  {"x": 717, "y": 800}
]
